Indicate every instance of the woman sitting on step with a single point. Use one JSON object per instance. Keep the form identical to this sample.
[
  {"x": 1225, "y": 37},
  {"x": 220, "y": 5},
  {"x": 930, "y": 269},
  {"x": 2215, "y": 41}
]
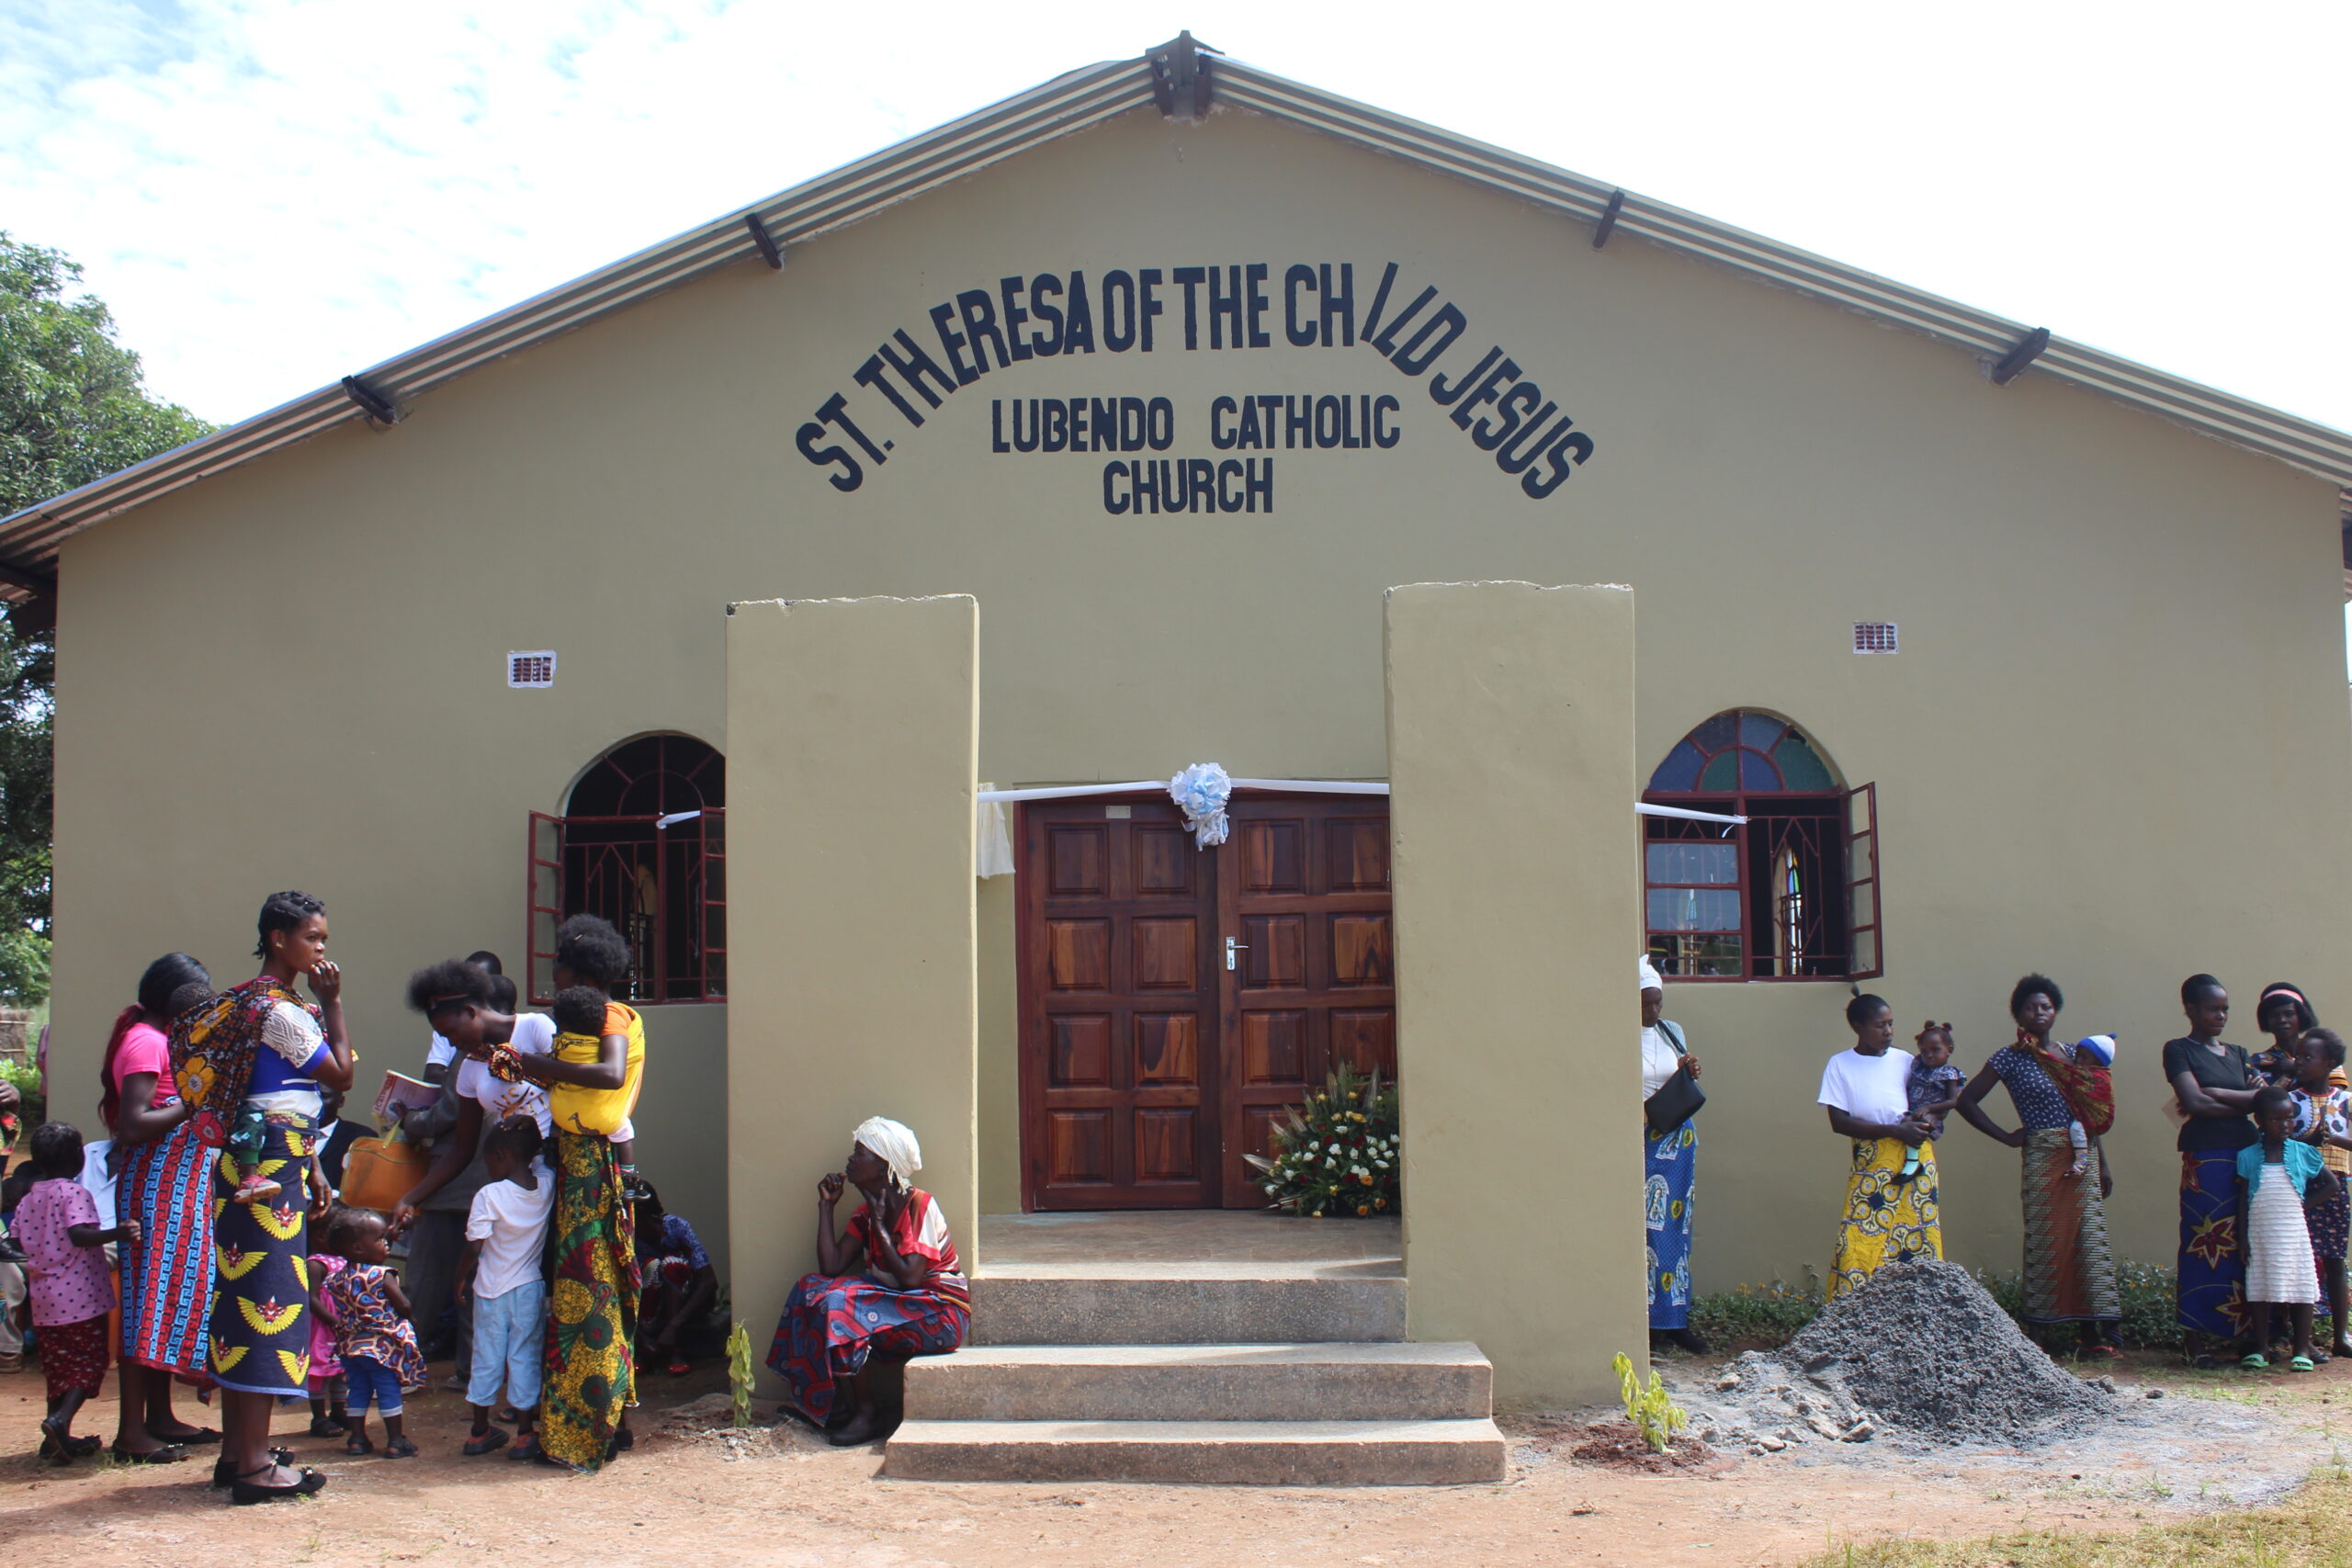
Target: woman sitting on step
[{"x": 890, "y": 1283}]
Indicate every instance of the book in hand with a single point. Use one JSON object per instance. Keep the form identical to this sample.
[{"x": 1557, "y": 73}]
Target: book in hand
[{"x": 401, "y": 1095}]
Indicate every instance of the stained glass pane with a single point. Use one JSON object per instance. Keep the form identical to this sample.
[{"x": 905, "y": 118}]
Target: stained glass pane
[
  {"x": 1801, "y": 765},
  {"x": 1722, "y": 774},
  {"x": 1759, "y": 731},
  {"x": 1680, "y": 771},
  {"x": 1757, "y": 773},
  {"x": 1716, "y": 733},
  {"x": 1693, "y": 909},
  {"x": 1685, "y": 862}
]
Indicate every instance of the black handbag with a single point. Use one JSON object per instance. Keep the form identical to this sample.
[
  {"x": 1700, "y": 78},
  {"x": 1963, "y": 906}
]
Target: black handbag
[{"x": 1679, "y": 1097}]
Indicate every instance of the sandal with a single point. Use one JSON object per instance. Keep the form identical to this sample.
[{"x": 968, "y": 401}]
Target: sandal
[
  {"x": 242, "y": 1490},
  {"x": 328, "y": 1426},
  {"x": 488, "y": 1442},
  {"x": 222, "y": 1476},
  {"x": 2299, "y": 1364},
  {"x": 358, "y": 1444},
  {"x": 2255, "y": 1362},
  {"x": 401, "y": 1447},
  {"x": 166, "y": 1453},
  {"x": 678, "y": 1367},
  {"x": 526, "y": 1450}
]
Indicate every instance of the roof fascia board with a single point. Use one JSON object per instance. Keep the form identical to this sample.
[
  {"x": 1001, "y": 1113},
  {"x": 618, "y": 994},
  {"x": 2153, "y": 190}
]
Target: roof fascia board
[{"x": 1085, "y": 97}]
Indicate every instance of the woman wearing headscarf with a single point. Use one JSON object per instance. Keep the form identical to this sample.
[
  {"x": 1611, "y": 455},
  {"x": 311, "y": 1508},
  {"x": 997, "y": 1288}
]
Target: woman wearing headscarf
[
  {"x": 1669, "y": 1172},
  {"x": 891, "y": 1282}
]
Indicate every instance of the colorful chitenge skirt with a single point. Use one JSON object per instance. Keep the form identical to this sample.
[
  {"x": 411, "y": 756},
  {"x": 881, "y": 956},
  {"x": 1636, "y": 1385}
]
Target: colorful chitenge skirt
[
  {"x": 592, "y": 1305},
  {"x": 1670, "y": 1173},
  {"x": 167, "y": 1273},
  {"x": 2212, "y": 1269},
  {"x": 831, "y": 1327},
  {"x": 261, "y": 1317},
  {"x": 2069, "y": 1271},
  {"x": 1890, "y": 1217},
  {"x": 2327, "y": 1210}
]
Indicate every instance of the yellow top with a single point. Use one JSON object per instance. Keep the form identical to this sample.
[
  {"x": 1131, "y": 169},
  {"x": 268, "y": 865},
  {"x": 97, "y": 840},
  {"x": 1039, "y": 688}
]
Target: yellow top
[{"x": 599, "y": 1111}]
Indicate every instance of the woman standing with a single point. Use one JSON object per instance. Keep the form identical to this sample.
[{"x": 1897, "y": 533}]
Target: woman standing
[
  {"x": 1890, "y": 1217},
  {"x": 2214, "y": 1084},
  {"x": 2069, "y": 1270},
  {"x": 509, "y": 1066},
  {"x": 909, "y": 1300},
  {"x": 162, "y": 1179},
  {"x": 2286, "y": 1017},
  {"x": 1671, "y": 1172},
  {"x": 260, "y": 1048}
]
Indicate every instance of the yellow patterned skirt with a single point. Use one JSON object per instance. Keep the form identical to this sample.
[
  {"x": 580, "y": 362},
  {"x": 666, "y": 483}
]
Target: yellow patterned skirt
[
  {"x": 1888, "y": 1218},
  {"x": 592, "y": 1305},
  {"x": 261, "y": 1304}
]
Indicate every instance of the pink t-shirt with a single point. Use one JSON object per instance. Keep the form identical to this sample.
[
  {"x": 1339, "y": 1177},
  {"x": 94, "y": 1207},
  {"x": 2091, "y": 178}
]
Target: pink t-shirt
[
  {"x": 69, "y": 1283},
  {"x": 145, "y": 1050}
]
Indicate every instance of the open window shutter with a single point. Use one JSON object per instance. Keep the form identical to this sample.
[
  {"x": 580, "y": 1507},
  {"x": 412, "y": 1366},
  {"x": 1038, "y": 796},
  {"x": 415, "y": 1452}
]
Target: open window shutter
[
  {"x": 1862, "y": 899},
  {"x": 544, "y": 911},
  {"x": 711, "y": 906}
]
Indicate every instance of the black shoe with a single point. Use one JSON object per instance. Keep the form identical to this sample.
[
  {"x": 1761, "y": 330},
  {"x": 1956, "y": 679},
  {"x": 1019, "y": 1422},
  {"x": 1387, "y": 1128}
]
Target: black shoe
[
  {"x": 169, "y": 1453},
  {"x": 1689, "y": 1339},
  {"x": 222, "y": 1476},
  {"x": 242, "y": 1491}
]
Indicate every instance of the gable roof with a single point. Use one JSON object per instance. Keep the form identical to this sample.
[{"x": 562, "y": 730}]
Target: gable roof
[{"x": 29, "y": 538}]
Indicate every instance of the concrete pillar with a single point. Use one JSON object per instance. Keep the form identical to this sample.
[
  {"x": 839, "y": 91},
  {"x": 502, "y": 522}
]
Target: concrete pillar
[
  {"x": 851, "y": 738},
  {"x": 1510, "y": 753}
]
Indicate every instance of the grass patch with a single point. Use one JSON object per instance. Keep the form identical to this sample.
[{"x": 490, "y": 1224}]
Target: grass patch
[{"x": 2311, "y": 1528}]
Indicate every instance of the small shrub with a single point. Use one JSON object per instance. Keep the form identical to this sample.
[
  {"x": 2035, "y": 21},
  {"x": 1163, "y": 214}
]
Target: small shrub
[
  {"x": 739, "y": 1372},
  {"x": 1340, "y": 1153},
  {"x": 1653, "y": 1412},
  {"x": 2151, "y": 1319},
  {"x": 1755, "y": 1317}
]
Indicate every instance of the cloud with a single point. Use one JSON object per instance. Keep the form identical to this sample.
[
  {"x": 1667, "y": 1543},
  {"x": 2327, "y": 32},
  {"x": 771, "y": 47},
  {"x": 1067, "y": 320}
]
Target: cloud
[{"x": 275, "y": 193}]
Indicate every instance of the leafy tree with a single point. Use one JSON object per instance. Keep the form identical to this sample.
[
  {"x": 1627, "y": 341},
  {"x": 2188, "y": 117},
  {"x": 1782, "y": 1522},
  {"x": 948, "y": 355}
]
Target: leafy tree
[{"x": 71, "y": 410}]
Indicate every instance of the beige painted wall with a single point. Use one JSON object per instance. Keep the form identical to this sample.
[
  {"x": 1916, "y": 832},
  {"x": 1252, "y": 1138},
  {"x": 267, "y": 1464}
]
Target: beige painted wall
[
  {"x": 1511, "y": 750},
  {"x": 850, "y": 858},
  {"x": 2108, "y": 747}
]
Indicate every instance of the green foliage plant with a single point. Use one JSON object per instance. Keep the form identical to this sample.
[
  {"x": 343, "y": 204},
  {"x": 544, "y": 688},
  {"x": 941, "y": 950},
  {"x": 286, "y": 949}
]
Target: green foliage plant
[
  {"x": 1651, "y": 1410},
  {"x": 1339, "y": 1153},
  {"x": 739, "y": 1372},
  {"x": 32, "y": 1108}
]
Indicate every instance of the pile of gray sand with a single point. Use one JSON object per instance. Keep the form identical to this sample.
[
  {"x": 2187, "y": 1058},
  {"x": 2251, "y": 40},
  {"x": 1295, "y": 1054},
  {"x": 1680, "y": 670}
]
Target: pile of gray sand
[{"x": 1919, "y": 1353}]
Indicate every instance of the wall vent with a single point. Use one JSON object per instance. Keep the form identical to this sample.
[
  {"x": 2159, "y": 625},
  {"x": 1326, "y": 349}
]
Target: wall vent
[
  {"x": 538, "y": 669},
  {"x": 1869, "y": 636}
]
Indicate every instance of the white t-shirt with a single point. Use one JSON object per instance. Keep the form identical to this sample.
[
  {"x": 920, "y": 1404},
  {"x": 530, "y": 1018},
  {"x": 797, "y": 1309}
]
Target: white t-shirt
[
  {"x": 511, "y": 1223},
  {"x": 1868, "y": 1089},
  {"x": 1658, "y": 1060},
  {"x": 534, "y": 1036},
  {"x": 440, "y": 1054}
]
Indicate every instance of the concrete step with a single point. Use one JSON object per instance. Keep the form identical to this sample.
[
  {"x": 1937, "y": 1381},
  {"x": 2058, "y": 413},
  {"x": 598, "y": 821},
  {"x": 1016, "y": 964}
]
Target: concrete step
[
  {"x": 1204, "y": 1305},
  {"x": 1359, "y": 1381},
  {"x": 1247, "y": 1454}
]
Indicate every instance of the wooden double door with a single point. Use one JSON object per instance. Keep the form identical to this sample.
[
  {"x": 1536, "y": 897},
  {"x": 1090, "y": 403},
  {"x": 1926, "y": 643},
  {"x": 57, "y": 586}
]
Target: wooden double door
[{"x": 1175, "y": 1000}]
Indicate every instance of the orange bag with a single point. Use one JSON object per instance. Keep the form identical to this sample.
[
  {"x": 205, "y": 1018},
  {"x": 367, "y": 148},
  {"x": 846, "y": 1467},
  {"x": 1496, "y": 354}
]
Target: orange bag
[{"x": 378, "y": 1172}]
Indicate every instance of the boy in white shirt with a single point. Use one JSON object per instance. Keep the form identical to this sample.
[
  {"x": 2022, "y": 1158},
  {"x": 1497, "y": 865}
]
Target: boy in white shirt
[{"x": 506, "y": 1233}]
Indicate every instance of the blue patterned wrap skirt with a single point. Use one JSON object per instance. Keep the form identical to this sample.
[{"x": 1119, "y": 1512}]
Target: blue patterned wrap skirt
[{"x": 1669, "y": 1177}]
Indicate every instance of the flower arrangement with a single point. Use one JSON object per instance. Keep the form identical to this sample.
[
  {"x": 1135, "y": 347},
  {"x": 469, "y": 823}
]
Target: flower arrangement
[{"x": 1340, "y": 1153}]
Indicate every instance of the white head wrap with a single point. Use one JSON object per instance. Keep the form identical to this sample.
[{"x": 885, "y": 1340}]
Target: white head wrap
[
  {"x": 894, "y": 1144},
  {"x": 1651, "y": 979}
]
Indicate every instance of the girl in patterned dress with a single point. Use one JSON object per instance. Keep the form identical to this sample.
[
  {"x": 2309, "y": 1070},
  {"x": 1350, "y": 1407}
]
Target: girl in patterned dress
[
  {"x": 2322, "y": 1107},
  {"x": 893, "y": 1283},
  {"x": 373, "y": 1337}
]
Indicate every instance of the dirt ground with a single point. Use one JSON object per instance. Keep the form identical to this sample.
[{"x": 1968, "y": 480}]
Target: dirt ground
[{"x": 691, "y": 1495}]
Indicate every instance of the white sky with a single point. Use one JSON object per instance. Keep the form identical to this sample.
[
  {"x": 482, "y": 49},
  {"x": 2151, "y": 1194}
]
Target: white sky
[{"x": 272, "y": 194}]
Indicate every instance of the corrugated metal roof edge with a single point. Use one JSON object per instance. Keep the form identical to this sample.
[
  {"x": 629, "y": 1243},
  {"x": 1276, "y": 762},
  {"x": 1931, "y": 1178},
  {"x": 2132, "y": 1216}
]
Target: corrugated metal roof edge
[{"x": 1080, "y": 98}]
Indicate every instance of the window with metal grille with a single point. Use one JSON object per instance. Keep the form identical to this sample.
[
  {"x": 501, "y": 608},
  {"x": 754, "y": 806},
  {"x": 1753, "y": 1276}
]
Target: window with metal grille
[
  {"x": 1791, "y": 895},
  {"x": 642, "y": 842},
  {"x": 1875, "y": 637},
  {"x": 531, "y": 669}
]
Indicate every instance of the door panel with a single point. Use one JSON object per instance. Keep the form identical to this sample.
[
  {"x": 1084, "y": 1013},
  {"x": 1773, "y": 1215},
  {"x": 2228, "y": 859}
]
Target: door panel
[
  {"x": 1307, "y": 892},
  {"x": 1119, "y": 1082}
]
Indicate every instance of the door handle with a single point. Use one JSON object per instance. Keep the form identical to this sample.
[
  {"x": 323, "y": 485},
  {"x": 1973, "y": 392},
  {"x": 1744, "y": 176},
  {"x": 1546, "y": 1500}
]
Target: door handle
[{"x": 1232, "y": 947}]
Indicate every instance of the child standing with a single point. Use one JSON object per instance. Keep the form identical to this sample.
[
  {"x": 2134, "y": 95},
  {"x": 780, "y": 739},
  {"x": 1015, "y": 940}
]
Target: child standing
[
  {"x": 327, "y": 1386},
  {"x": 2273, "y": 1173},
  {"x": 58, "y": 1226},
  {"x": 1933, "y": 1086},
  {"x": 2324, "y": 1118},
  {"x": 504, "y": 1234},
  {"x": 373, "y": 1338}
]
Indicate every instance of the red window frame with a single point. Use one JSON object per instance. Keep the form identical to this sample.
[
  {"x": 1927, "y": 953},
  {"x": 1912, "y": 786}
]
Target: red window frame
[
  {"x": 1850, "y": 823},
  {"x": 600, "y": 865}
]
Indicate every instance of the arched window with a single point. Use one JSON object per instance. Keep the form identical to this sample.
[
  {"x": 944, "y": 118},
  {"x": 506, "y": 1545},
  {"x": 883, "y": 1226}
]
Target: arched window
[
  {"x": 1792, "y": 895},
  {"x": 641, "y": 843}
]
